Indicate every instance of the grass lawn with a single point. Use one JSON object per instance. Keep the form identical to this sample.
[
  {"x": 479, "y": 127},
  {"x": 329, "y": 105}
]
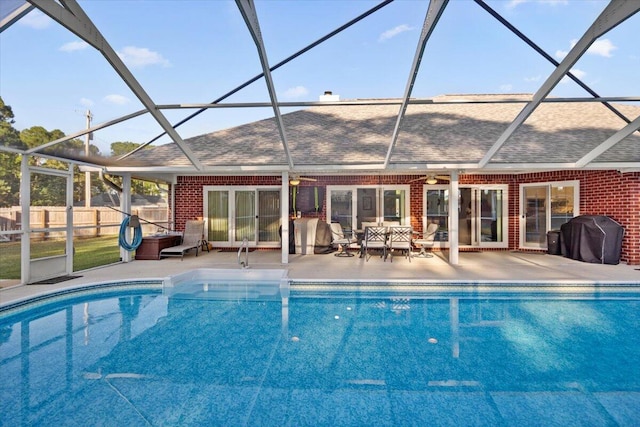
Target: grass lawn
[{"x": 89, "y": 252}]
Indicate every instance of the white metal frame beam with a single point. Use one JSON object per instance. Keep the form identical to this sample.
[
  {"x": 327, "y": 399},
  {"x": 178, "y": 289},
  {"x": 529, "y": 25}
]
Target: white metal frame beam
[
  {"x": 85, "y": 131},
  {"x": 14, "y": 16},
  {"x": 615, "y": 12},
  {"x": 610, "y": 142},
  {"x": 434, "y": 12},
  {"x": 548, "y": 57},
  {"x": 275, "y": 67},
  {"x": 248, "y": 11},
  {"x": 71, "y": 16}
]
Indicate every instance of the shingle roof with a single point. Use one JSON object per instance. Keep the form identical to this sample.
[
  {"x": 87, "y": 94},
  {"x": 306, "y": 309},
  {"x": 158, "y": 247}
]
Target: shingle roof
[{"x": 451, "y": 133}]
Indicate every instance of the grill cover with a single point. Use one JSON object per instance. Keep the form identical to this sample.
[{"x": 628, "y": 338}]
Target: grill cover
[{"x": 592, "y": 238}]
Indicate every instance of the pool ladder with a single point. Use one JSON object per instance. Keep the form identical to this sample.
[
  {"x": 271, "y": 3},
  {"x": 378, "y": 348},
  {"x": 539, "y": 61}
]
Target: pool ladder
[{"x": 245, "y": 246}]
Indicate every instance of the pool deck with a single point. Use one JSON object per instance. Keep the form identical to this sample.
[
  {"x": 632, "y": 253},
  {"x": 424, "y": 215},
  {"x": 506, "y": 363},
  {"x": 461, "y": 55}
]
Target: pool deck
[{"x": 474, "y": 267}]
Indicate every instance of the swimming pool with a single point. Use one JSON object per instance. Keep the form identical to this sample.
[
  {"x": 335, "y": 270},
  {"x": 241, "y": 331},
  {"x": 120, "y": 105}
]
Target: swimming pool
[{"x": 323, "y": 355}]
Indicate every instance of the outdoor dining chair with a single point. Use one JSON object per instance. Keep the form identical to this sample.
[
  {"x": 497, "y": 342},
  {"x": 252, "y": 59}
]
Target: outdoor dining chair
[
  {"x": 375, "y": 238},
  {"x": 400, "y": 238},
  {"x": 342, "y": 239},
  {"x": 426, "y": 241}
]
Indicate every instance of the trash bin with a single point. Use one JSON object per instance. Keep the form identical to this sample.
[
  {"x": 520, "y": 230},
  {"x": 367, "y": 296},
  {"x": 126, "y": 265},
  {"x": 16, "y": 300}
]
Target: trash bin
[{"x": 553, "y": 242}]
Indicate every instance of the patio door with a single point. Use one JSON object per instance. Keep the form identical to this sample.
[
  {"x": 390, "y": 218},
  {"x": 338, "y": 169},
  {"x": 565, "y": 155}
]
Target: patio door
[
  {"x": 482, "y": 214},
  {"x": 233, "y": 214},
  {"x": 353, "y": 205},
  {"x": 545, "y": 207}
]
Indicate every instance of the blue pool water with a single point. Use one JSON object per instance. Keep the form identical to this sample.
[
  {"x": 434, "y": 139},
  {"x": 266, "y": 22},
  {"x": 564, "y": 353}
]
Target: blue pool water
[{"x": 140, "y": 356}]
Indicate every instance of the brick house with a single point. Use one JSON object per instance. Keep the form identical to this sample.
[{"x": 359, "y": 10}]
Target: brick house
[{"x": 357, "y": 161}]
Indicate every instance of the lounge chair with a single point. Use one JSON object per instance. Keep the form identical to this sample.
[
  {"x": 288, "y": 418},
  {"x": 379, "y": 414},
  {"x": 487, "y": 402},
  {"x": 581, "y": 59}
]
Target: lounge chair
[
  {"x": 339, "y": 238},
  {"x": 374, "y": 238},
  {"x": 426, "y": 241},
  {"x": 191, "y": 239},
  {"x": 400, "y": 238}
]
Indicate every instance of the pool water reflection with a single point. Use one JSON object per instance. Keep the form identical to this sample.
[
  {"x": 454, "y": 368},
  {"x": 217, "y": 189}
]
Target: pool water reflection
[{"x": 143, "y": 358}]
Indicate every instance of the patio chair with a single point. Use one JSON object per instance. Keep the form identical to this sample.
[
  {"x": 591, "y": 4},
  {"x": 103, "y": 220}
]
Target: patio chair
[
  {"x": 366, "y": 224},
  {"x": 400, "y": 237},
  {"x": 375, "y": 238},
  {"x": 342, "y": 239},
  {"x": 426, "y": 241},
  {"x": 191, "y": 239}
]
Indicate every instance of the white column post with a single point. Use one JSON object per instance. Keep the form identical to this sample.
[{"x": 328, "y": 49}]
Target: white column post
[
  {"x": 87, "y": 175},
  {"x": 69, "y": 226},
  {"x": 284, "y": 217},
  {"x": 453, "y": 218},
  {"x": 125, "y": 206},
  {"x": 25, "y": 220}
]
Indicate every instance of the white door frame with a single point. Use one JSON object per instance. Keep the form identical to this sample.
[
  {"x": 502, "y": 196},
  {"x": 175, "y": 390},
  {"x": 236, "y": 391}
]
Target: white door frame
[
  {"x": 231, "y": 189},
  {"x": 406, "y": 219},
  {"x": 522, "y": 214},
  {"x": 33, "y": 270},
  {"x": 475, "y": 211}
]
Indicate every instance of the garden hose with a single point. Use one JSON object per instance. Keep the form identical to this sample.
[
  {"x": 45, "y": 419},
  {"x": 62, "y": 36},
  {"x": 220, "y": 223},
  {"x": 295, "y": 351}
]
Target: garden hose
[{"x": 137, "y": 234}]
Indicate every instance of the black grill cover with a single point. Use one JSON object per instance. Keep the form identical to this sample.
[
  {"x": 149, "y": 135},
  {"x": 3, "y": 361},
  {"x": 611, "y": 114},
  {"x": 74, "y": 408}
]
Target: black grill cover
[{"x": 592, "y": 238}]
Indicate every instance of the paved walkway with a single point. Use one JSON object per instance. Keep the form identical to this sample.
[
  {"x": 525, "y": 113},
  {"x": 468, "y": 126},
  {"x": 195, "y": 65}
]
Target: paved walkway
[{"x": 501, "y": 267}]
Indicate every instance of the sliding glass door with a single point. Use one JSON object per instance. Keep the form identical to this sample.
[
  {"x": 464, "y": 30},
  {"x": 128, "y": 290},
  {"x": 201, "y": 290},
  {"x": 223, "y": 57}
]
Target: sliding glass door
[
  {"x": 545, "y": 207},
  {"x": 353, "y": 205},
  {"x": 236, "y": 213},
  {"x": 482, "y": 214}
]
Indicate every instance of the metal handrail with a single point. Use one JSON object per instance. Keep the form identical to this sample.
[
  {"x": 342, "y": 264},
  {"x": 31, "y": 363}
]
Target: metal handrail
[{"x": 245, "y": 245}]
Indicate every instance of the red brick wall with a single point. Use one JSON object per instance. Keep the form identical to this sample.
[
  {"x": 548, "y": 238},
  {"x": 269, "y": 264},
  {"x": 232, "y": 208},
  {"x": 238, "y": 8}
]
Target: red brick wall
[
  {"x": 601, "y": 193},
  {"x": 609, "y": 193},
  {"x": 189, "y": 197}
]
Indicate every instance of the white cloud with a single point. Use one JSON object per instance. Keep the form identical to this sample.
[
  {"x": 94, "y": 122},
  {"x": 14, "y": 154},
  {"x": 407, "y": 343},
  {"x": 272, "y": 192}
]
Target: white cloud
[
  {"x": 295, "y": 92},
  {"x": 138, "y": 57},
  {"x": 514, "y": 3},
  {"x": 73, "y": 46},
  {"x": 576, "y": 72},
  {"x": 533, "y": 79},
  {"x": 560, "y": 54},
  {"x": 554, "y": 2},
  {"x": 602, "y": 47},
  {"x": 394, "y": 32},
  {"x": 116, "y": 99},
  {"x": 506, "y": 87},
  {"x": 86, "y": 102},
  {"x": 36, "y": 19}
]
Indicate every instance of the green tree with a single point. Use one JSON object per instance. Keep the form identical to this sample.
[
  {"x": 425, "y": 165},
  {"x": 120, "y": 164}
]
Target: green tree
[
  {"x": 121, "y": 148},
  {"x": 44, "y": 189},
  {"x": 9, "y": 162}
]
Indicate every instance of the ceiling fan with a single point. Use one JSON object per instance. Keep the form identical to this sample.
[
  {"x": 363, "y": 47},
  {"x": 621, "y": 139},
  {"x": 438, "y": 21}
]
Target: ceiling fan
[
  {"x": 295, "y": 180},
  {"x": 432, "y": 179}
]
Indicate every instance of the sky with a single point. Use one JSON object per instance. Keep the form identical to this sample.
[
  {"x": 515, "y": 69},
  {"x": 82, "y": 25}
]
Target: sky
[{"x": 195, "y": 51}]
